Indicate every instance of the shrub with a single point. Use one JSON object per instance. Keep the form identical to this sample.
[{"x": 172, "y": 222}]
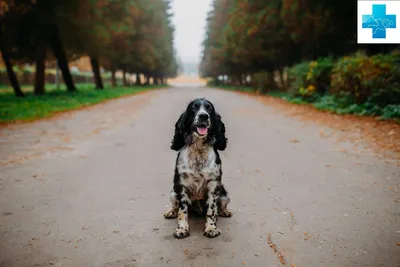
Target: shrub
[
  {"x": 263, "y": 82},
  {"x": 211, "y": 82},
  {"x": 362, "y": 79},
  {"x": 297, "y": 77},
  {"x": 311, "y": 79}
]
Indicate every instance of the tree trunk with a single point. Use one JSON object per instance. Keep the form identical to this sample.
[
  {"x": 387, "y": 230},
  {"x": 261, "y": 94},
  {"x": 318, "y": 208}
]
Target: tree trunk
[
  {"x": 124, "y": 77},
  {"x": 59, "y": 53},
  {"x": 40, "y": 70},
  {"x": 96, "y": 73},
  {"x": 11, "y": 74},
  {"x": 155, "y": 80},
  {"x": 147, "y": 80},
  {"x": 282, "y": 79},
  {"x": 113, "y": 78},
  {"x": 138, "y": 81},
  {"x": 161, "y": 80}
]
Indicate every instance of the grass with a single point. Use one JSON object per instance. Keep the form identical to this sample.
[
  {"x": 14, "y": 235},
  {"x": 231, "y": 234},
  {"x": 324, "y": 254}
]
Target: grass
[
  {"x": 339, "y": 106},
  {"x": 31, "y": 107},
  {"x": 235, "y": 88}
]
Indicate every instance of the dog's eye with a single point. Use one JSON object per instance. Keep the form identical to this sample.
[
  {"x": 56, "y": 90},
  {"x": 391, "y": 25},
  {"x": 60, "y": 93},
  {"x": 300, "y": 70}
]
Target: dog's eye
[
  {"x": 196, "y": 106},
  {"x": 207, "y": 106}
]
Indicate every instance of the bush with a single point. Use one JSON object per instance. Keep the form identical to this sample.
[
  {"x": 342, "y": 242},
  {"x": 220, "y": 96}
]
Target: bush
[
  {"x": 311, "y": 79},
  {"x": 263, "y": 82},
  {"x": 297, "y": 77},
  {"x": 211, "y": 82},
  {"x": 363, "y": 79}
]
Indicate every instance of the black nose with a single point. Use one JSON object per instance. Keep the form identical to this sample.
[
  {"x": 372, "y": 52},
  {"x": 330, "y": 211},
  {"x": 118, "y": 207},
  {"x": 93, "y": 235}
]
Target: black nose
[{"x": 203, "y": 117}]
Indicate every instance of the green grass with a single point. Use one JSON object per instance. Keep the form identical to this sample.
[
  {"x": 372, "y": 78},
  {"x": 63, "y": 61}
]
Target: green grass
[
  {"x": 235, "y": 88},
  {"x": 33, "y": 107}
]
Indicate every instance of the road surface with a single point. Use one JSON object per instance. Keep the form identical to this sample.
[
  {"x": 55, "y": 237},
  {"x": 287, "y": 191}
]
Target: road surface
[{"x": 89, "y": 188}]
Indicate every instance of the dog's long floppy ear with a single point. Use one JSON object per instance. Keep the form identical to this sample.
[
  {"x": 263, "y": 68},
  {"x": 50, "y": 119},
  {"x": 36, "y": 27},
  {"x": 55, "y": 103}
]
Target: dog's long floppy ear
[
  {"x": 220, "y": 139},
  {"x": 179, "y": 139}
]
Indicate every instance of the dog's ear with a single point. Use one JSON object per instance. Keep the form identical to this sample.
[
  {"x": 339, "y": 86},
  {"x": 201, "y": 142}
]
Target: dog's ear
[
  {"x": 179, "y": 139},
  {"x": 220, "y": 139}
]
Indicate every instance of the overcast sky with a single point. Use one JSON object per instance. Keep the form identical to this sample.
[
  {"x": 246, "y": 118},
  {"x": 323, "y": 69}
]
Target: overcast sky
[{"x": 189, "y": 21}]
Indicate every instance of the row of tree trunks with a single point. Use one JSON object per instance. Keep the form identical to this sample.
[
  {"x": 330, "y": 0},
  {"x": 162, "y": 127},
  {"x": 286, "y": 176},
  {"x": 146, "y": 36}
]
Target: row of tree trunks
[{"x": 41, "y": 46}]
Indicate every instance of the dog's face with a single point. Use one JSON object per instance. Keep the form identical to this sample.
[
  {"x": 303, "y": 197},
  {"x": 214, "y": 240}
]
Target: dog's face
[
  {"x": 200, "y": 120},
  {"x": 199, "y": 112}
]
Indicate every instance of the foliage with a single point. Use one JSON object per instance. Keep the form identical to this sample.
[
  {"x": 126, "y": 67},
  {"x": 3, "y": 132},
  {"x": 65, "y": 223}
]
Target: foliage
[
  {"x": 362, "y": 79},
  {"x": 33, "y": 107},
  {"x": 250, "y": 36},
  {"x": 262, "y": 82},
  {"x": 310, "y": 79},
  {"x": 133, "y": 36}
]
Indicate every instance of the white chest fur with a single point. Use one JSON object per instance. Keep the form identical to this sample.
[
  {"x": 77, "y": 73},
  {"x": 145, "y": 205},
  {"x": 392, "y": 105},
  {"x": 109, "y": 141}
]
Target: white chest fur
[{"x": 197, "y": 166}]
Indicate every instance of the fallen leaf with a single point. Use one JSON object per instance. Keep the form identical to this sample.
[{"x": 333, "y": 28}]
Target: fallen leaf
[
  {"x": 294, "y": 141},
  {"x": 243, "y": 263},
  {"x": 306, "y": 236}
]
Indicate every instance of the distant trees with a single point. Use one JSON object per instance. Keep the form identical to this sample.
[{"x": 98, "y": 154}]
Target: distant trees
[
  {"x": 132, "y": 36},
  {"x": 248, "y": 36}
]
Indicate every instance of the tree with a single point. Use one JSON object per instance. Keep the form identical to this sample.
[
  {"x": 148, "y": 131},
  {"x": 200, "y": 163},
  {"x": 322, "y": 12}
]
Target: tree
[{"x": 250, "y": 36}]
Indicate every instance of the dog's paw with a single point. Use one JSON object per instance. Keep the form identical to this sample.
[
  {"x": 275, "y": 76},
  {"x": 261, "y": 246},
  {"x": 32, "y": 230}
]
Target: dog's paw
[
  {"x": 181, "y": 232},
  {"x": 212, "y": 231},
  {"x": 171, "y": 214},
  {"x": 225, "y": 213}
]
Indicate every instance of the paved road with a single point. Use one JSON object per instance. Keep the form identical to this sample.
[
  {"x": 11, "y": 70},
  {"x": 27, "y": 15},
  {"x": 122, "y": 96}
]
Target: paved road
[{"x": 89, "y": 188}]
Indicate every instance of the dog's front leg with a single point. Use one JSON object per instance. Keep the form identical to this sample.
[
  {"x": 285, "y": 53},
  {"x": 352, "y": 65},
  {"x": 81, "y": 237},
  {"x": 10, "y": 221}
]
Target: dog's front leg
[
  {"x": 212, "y": 211},
  {"x": 183, "y": 224}
]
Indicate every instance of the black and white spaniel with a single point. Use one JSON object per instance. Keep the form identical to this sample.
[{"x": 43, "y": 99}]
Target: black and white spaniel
[{"x": 199, "y": 134}]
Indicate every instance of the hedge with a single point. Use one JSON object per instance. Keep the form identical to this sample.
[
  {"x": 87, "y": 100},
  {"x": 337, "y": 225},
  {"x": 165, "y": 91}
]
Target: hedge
[{"x": 355, "y": 84}]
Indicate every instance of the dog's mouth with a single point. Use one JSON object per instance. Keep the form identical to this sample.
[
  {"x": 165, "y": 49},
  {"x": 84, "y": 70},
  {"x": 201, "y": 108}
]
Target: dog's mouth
[{"x": 202, "y": 129}]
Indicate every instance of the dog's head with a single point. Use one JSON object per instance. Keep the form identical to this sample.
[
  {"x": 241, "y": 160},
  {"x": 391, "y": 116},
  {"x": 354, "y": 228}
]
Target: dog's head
[{"x": 199, "y": 121}]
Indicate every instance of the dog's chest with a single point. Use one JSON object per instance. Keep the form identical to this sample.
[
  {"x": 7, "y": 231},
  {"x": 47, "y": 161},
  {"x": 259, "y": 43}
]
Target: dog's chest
[{"x": 197, "y": 167}]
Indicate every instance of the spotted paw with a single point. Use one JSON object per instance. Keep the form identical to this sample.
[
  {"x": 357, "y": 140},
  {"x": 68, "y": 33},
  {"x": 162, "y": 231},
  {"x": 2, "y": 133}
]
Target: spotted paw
[
  {"x": 171, "y": 214},
  {"x": 212, "y": 231},
  {"x": 225, "y": 213},
  {"x": 181, "y": 232}
]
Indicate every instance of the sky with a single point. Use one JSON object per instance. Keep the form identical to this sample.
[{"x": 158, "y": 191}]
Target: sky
[{"x": 190, "y": 22}]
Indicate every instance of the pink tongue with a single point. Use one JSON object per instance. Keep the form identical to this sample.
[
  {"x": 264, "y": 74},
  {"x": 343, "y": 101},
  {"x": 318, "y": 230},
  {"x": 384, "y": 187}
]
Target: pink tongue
[{"x": 202, "y": 130}]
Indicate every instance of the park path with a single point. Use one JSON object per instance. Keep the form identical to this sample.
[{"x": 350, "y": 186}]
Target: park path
[{"x": 89, "y": 188}]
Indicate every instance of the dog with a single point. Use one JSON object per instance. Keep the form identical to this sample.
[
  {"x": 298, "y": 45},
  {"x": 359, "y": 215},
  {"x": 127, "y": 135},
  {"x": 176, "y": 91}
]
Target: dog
[{"x": 199, "y": 134}]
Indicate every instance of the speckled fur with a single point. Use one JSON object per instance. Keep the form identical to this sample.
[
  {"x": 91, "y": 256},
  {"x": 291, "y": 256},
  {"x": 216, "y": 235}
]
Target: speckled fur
[{"x": 198, "y": 169}]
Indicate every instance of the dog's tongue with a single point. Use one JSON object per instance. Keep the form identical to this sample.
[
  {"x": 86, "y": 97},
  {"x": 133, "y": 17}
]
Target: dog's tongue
[{"x": 202, "y": 130}]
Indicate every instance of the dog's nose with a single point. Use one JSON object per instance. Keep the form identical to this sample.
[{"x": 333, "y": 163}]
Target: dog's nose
[{"x": 203, "y": 116}]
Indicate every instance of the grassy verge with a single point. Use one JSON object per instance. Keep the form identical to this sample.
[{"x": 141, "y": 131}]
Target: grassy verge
[
  {"x": 333, "y": 105},
  {"x": 341, "y": 106},
  {"x": 29, "y": 108},
  {"x": 235, "y": 88}
]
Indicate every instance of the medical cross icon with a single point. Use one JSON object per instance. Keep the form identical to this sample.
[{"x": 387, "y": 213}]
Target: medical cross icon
[{"x": 379, "y": 21}]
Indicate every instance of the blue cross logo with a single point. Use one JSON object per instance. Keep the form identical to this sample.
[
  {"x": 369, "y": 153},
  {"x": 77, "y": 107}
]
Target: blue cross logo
[{"x": 379, "y": 21}]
